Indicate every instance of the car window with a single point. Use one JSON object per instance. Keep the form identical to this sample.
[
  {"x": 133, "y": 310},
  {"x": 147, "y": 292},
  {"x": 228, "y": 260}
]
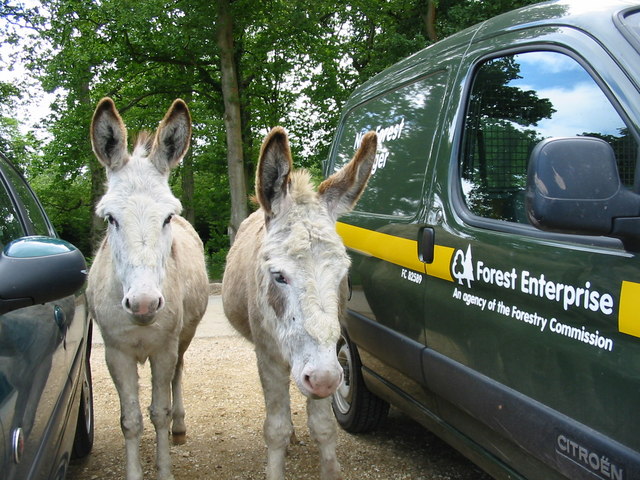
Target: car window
[
  {"x": 29, "y": 204},
  {"x": 515, "y": 102},
  {"x": 404, "y": 119},
  {"x": 630, "y": 25},
  {"x": 10, "y": 226}
]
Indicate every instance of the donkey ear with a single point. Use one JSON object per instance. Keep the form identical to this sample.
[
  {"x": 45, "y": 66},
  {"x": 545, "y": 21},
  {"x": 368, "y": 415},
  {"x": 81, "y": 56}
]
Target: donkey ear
[
  {"x": 109, "y": 135},
  {"x": 172, "y": 137},
  {"x": 341, "y": 191},
  {"x": 274, "y": 167}
]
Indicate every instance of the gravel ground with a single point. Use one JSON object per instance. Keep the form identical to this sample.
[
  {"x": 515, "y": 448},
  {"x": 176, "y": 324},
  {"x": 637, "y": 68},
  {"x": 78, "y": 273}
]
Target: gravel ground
[{"x": 225, "y": 412}]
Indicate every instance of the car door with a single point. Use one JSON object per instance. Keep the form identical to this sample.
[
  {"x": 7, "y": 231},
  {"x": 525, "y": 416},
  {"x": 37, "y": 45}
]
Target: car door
[
  {"x": 530, "y": 337},
  {"x": 34, "y": 364}
]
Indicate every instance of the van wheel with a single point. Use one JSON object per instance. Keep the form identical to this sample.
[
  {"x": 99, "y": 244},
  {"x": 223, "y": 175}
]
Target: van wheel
[
  {"x": 83, "y": 441},
  {"x": 356, "y": 409}
]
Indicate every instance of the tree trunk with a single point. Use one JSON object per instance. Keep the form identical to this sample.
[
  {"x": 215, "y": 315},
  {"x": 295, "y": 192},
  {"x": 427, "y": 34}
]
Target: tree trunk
[
  {"x": 97, "y": 191},
  {"x": 430, "y": 21},
  {"x": 186, "y": 175},
  {"x": 232, "y": 119},
  {"x": 97, "y": 173},
  {"x": 188, "y": 188}
]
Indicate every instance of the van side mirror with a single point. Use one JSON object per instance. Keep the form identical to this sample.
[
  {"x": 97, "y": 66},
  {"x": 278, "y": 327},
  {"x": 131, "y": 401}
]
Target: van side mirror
[
  {"x": 35, "y": 270},
  {"x": 573, "y": 186}
]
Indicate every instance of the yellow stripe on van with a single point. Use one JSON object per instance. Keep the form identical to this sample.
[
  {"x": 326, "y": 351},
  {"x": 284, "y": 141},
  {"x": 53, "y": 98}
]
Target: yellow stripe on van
[
  {"x": 396, "y": 250},
  {"x": 629, "y": 314},
  {"x": 441, "y": 265}
]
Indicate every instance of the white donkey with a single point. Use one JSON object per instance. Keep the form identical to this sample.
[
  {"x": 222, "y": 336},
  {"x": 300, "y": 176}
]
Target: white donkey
[
  {"x": 284, "y": 289},
  {"x": 147, "y": 287}
]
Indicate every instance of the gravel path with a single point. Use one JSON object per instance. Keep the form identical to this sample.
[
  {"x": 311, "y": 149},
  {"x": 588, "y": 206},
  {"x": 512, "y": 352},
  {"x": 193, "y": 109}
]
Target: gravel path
[{"x": 225, "y": 412}]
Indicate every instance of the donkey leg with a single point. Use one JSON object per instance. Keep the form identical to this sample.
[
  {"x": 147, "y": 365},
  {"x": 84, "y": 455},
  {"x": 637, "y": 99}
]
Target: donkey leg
[
  {"x": 278, "y": 427},
  {"x": 163, "y": 365},
  {"x": 322, "y": 427},
  {"x": 178, "y": 427},
  {"x": 124, "y": 372}
]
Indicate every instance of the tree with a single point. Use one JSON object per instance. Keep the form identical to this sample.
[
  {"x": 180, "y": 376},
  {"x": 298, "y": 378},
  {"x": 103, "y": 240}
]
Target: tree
[
  {"x": 232, "y": 117},
  {"x": 243, "y": 65},
  {"x": 107, "y": 50},
  {"x": 456, "y": 15}
]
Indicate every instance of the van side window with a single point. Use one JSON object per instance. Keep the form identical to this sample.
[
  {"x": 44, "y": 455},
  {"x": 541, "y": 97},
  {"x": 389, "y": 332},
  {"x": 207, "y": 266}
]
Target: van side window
[
  {"x": 405, "y": 120},
  {"x": 515, "y": 102}
]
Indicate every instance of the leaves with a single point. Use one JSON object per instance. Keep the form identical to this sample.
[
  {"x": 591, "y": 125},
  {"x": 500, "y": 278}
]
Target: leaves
[{"x": 296, "y": 64}]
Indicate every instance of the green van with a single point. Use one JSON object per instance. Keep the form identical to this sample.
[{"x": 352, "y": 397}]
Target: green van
[{"x": 495, "y": 280}]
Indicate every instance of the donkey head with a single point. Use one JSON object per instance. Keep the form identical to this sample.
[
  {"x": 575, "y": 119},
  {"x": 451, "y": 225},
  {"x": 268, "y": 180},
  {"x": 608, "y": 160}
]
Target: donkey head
[
  {"x": 303, "y": 261},
  {"x": 138, "y": 204}
]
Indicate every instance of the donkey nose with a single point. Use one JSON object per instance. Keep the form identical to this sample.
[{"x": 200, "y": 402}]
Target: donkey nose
[
  {"x": 143, "y": 306},
  {"x": 322, "y": 383}
]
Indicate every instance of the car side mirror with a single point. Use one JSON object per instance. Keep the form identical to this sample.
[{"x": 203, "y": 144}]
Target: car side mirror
[
  {"x": 35, "y": 270},
  {"x": 573, "y": 186}
]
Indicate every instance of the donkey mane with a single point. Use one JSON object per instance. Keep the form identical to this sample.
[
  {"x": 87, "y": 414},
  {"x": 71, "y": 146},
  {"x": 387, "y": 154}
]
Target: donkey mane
[
  {"x": 306, "y": 230},
  {"x": 301, "y": 187},
  {"x": 144, "y": 142}
]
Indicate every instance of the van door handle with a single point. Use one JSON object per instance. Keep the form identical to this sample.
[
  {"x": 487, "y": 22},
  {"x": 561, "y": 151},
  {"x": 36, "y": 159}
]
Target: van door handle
[{"x": 426, "y": 244}]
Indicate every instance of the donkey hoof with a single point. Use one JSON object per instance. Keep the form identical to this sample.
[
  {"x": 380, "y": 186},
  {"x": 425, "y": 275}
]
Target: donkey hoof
[{"x": 179, "y": 438}]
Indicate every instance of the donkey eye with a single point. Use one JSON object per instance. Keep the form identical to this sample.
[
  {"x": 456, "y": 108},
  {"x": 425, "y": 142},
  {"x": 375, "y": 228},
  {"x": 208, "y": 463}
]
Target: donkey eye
[
  {"x": 167, "y": 220},
  {"x": 279, "y": 278},
  {"x": 112, "y": 220}
]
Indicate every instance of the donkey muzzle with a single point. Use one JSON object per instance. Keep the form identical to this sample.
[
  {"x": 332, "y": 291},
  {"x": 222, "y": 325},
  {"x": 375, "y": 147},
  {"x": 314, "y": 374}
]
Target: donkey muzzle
[
  {"x": 143, "y": 306},
  {"x": 321, "y": 383}
]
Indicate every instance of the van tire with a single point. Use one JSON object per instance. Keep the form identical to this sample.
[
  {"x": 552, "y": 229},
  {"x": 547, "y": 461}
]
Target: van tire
[{"x": 356, "y": 409}]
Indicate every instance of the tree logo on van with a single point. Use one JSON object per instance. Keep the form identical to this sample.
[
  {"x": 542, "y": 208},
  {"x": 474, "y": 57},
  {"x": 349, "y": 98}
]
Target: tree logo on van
[{"x": 462, "y": 266}]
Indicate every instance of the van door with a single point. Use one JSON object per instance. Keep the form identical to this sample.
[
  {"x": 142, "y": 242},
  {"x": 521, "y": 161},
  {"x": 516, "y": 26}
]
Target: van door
[{"x": 526, "y": 340}]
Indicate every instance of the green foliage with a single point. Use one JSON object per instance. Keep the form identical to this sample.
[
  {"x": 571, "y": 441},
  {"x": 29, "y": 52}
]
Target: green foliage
[
  {"x": 65, "y": 200},
  {"x": 456, "y": 15},
  {"x": 215, "y": 263},
  {"x": 297, "y": 63},
  {"x": 14, "y": 145}
]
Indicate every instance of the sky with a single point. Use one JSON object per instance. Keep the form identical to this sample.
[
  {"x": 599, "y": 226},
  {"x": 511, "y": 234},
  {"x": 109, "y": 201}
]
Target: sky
[
  {"x": 36, "y": 107},
  {"x": 36, "y": 104},
  {"x": 580, "y": 103}
]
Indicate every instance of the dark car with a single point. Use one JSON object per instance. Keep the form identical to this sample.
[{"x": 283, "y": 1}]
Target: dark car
[
  {"x": 495, "y": 278},
  {"x": 46, "y": 403}
]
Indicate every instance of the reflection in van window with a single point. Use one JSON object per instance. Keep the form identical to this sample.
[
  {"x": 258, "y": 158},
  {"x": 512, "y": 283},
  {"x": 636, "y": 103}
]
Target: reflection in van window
[
  {"x": 515, "y": 102},
  {"x": 405, "y": 120}
]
